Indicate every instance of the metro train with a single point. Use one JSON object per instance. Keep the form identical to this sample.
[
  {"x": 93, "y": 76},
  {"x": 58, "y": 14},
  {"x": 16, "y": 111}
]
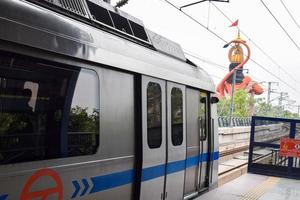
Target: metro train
[{"x": 95, "y": 106}]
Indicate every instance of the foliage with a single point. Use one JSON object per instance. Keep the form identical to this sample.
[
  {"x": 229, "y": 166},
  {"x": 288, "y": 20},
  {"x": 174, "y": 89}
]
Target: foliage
[
  {"x": 81, "y": 121},
  {"x": 241, "y": 104},
  {"x": 267, "y": 110},
  {"x": 14, "y": 123},
  {"x": 263, "y": 109},
  {"x": 242, "y": 101}
]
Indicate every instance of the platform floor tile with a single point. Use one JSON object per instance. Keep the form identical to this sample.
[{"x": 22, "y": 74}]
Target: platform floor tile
[
  {"x": 256, "y": 187},
  {"x": 285, "y": 189}
]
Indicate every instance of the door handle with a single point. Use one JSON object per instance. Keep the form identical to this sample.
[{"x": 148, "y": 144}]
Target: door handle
[
  {"x": 199, "y": 174},
  {"x": 200, "y": 131},
  {"x": 213, "y": 147},
  {"x": 164, "y": 195}
]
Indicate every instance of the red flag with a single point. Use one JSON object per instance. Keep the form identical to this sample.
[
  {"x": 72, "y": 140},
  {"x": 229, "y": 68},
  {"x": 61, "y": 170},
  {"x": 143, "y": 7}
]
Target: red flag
[{"x": 236, "y": 23}]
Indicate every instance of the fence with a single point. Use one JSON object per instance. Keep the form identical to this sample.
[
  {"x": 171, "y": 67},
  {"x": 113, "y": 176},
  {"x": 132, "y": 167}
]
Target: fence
[
  {"x": 272, "y": 163},
  {"x": 236, "y": 121}
]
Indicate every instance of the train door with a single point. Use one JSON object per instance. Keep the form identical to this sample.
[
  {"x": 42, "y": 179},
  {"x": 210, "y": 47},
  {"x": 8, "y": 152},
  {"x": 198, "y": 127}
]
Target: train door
[
  {"x": 163, "y": 138},
  {"x": 204, "y": 141},
  {"x": 153, "y": 138},
  {"x": 197, "y": 172},
  {"x": 176, "y": 141}
]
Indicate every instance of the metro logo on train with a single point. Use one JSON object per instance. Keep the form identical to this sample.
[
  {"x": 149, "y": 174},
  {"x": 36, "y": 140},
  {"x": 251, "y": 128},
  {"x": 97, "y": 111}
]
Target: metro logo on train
[{"x": 289, "y": 147}]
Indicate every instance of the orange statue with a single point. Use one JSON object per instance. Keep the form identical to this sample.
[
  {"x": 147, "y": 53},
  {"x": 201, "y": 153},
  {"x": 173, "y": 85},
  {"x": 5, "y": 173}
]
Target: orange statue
[{"x": 237, "y": 61}]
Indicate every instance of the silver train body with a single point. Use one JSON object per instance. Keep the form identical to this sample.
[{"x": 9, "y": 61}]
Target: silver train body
[{"x": 89, "y": 112}]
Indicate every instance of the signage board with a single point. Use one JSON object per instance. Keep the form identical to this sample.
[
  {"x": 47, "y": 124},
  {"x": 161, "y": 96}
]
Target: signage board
[{"x": 289, "y": 147}]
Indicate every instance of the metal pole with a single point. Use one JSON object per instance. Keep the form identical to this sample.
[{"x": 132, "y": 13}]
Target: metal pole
[
  {"x": 280, "y": 99},
  {"x": 269, "y": 92},
  {"x": 280, "y": 104},
  {"x": 232, "y": 98},
  {"x": 251, "y": 105}
]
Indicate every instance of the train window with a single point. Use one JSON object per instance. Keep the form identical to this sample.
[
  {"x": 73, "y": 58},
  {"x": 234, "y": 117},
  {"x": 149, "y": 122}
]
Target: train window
[
  {"x": 154, "y": 115},
  {"x": 202, "y": 115},
  {"x": 176, "y": 116},
  {"x": 46, "y": 110}
]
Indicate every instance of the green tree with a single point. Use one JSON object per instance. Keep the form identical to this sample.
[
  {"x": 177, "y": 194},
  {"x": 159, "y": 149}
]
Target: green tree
[
  {"x": 83, "y": 130},
  {"x": 14, "y": 123},
  {"x": 264, "y": 109},
  {"x": 242, "y": 101},
  {"x": 81, "y": 121},
  {"x": 241, "y": 105}
]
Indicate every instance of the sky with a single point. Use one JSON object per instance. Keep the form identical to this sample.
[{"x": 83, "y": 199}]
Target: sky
[{"x": 270, "y": 47}]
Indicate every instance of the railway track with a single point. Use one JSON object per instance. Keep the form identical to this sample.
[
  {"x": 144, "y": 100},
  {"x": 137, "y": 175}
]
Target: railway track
[
  {"x": 244, "y": 164},
  {"x": 233, "y": 151},
  {"x": 239, "y": 165}
]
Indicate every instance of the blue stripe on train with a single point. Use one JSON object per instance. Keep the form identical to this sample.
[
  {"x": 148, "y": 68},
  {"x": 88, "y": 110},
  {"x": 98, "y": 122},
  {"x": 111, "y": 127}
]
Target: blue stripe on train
[
  {"x": 158, "y": 171},
  {"x": 112, "y": 180},
  {"x": 215, "y": 156},
  {"x": 194, "y": 160},
  {"x": 176, "y": 166},
  {"x": 153, "y": 172},
  {"x": 122, "y": 178}
]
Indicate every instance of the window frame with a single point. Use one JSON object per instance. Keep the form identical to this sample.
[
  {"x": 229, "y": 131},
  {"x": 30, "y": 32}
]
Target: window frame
[
  {"x": 161, "y": 119},
  {"x": 182, "y": 116}
]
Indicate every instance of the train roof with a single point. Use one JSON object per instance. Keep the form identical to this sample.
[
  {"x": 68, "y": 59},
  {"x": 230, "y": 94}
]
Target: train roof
[{"x": 82, "y": 36}]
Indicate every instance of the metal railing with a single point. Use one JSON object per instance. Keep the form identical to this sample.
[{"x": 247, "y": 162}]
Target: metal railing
[
  {"x": 274, "y": 164},
  {"x": 236, "y": 121}
]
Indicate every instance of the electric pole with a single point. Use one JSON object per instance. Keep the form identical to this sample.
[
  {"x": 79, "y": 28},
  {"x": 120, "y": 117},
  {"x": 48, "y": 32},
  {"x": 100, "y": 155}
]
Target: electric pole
[
  {"x": 270, "y": 90},
  {"x": 232, "y": 99},
  {"x": 282, "y": 96}
]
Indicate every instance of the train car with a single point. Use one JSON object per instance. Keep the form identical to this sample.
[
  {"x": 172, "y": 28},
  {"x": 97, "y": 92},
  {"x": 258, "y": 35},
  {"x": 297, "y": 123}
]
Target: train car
[{"x": 95, "y": 106}]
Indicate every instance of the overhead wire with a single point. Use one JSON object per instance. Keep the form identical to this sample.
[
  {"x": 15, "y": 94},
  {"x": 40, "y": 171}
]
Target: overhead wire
[
  {"x": 194, "y": 55},
  {"x": 290, "y": 14},
  {"x": 208, "y": 14},
  {"x": 268, "y": 9},
  {"x": 222, "y": 39},
  {"x": 196, "y": 21}
]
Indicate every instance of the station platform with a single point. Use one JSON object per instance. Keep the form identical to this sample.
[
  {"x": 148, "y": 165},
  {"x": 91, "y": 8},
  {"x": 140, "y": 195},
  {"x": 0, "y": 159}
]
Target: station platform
[{"x": 256, "y": 187}]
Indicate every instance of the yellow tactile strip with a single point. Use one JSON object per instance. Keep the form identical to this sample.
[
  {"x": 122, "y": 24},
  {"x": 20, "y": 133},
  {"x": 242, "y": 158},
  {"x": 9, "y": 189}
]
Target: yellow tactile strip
[{"x": 260, "y": 189}]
